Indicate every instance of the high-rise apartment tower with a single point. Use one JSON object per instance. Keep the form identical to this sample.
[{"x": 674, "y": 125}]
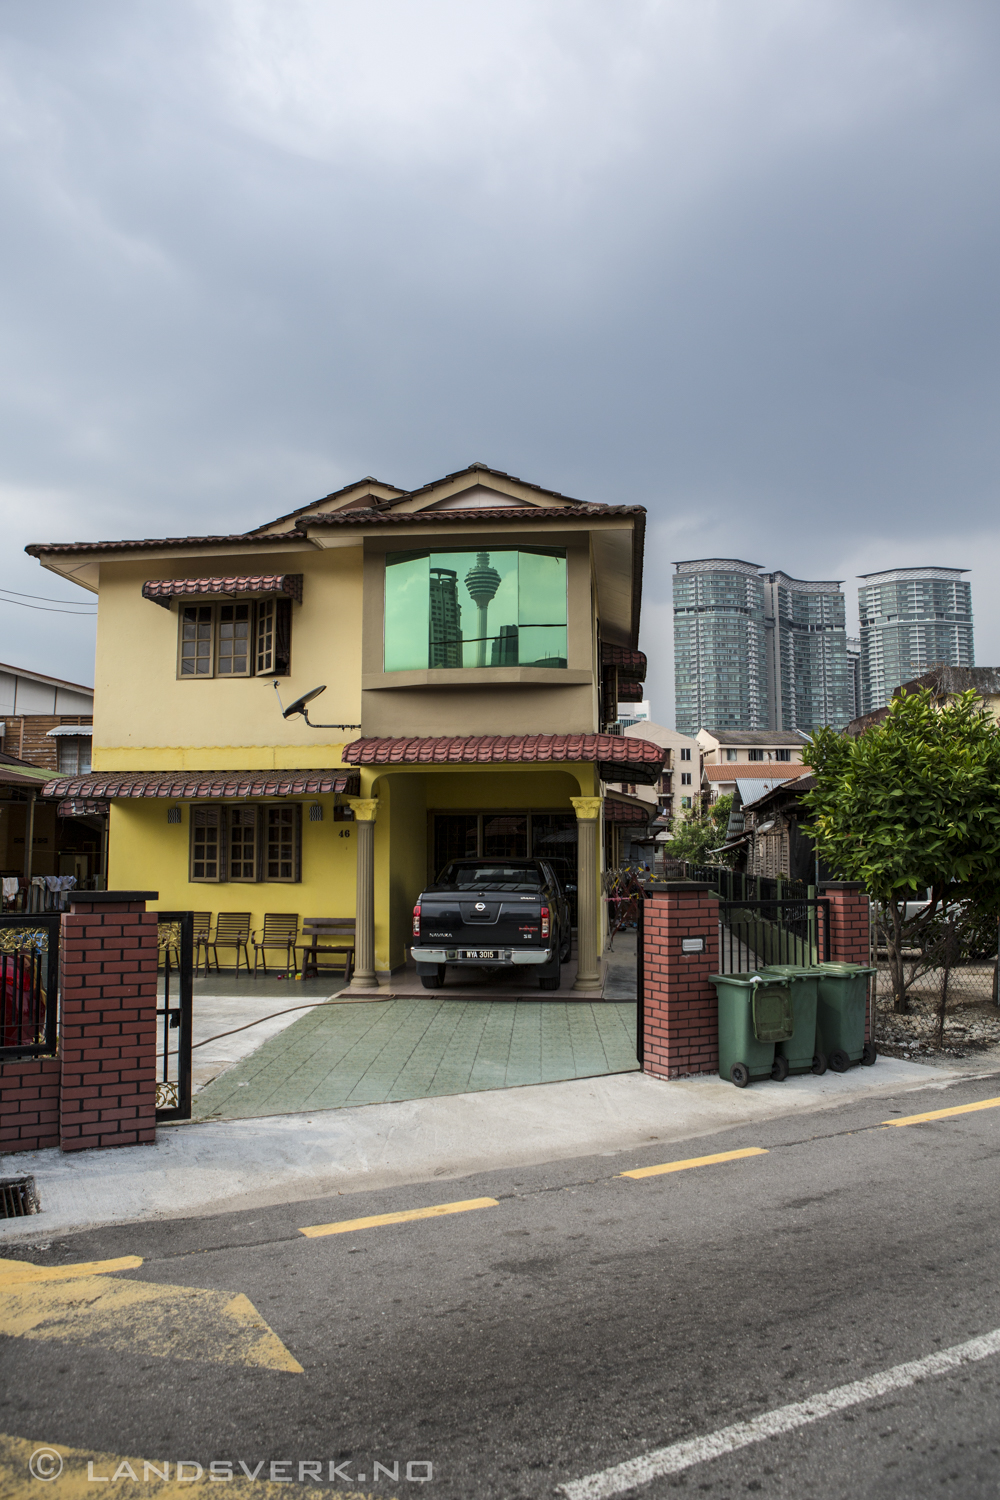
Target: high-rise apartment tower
[
  {"x": 720, "y": 658},
  {"x": 809, "y": 679},
  {"x": 912, "y": 619}
]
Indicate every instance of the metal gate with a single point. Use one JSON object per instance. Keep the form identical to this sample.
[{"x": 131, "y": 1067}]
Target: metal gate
[
  {"x": 788, "y": 929},
  {"x": 29, "y": 985},
  {"x": 175, "y": 934}
]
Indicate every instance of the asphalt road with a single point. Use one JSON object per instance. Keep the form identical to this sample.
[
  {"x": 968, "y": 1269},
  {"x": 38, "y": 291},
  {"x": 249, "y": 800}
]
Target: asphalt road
[{"x": 583, "y": 1320}]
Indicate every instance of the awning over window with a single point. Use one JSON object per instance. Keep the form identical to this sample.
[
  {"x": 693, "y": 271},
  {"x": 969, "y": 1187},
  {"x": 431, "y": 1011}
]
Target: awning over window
[
  {"x": 82, "y": 808},
  {"x": 194, "y": 786},
  {"x": 626, "y": 662},
  {"x": 617, "y": 810},
  {"x": 618, "y": 757},
  {"x": 76, "y": 731},
  {"x": 162, "y": 590}
]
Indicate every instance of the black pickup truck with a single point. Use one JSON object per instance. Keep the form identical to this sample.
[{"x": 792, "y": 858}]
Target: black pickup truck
[{"x": 494, "y": 914}]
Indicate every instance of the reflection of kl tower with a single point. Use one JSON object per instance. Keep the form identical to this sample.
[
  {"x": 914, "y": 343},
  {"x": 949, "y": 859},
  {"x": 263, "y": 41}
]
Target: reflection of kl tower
[{"x": 482, "y": 581}]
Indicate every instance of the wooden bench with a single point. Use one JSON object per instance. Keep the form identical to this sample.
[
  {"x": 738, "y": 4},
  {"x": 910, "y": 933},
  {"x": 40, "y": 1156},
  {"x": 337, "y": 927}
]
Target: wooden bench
[{"x": 327, "y": 935}]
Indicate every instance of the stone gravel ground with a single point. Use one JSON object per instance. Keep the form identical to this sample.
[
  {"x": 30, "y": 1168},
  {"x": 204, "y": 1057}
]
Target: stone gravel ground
[{"x": 972, "y": 1020}]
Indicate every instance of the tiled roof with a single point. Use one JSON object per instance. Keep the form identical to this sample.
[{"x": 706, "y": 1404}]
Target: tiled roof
[
  {"x": 240, "y": 539},
  {"x": 195, "y": 785},
  {"x": 478, "y": 468},
  {"x": 757, "y": 737},
  {"x": 617, "y": 810},
  {"x": 618, "y": 758},
  {"x": 627, "y": 662},
  {"x": 743, "y": 769},
  {"x": 162, "y": 590},
  {"x": 443, "y": 519}
]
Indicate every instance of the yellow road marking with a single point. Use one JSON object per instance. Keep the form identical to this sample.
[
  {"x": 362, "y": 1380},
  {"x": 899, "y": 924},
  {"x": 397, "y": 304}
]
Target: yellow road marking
[
  {"x": 175, "y": 1322},
  {"x": 941, "y": 1114},
  {"x": 344, "y": 1226},
  {"x": 695, "y": 1161},
  {"x": 19, "y": 1271}
]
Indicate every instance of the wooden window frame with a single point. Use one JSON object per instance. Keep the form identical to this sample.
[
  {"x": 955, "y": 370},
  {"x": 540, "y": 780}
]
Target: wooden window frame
[
  {"x": 240, "y": 818},
  {"x": 208, "y": 817},
  {"x": 250, "y": 638},
  {"x": 296, "y": 861},
  {"x": 273, "y": 662}
]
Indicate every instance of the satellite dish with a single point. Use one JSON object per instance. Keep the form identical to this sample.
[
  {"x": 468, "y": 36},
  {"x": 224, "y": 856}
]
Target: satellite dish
[{"x": 299, "y": 706}]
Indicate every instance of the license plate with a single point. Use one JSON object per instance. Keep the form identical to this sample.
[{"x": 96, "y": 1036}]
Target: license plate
[{"x": 483, "y": 953}]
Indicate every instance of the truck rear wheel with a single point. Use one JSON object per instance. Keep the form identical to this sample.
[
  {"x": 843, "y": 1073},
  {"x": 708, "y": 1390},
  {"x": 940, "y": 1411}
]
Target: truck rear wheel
[
  {"x": 552, "y": 979},
  {"x": 433, "y": 981}
]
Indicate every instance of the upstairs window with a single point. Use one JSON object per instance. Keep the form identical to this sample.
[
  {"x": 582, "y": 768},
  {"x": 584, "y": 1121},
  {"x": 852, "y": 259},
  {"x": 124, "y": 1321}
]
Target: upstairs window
[
  {"x": 241, "y": 639},
  {"x": 74, "y": 755},
  {"x": 755, "y": 755},
  {"x": 475, "y": 609},
  {"x": 782, "y": 755},
  {"x": 685, "y": 754},
  {"x": 730, "y": 754}
]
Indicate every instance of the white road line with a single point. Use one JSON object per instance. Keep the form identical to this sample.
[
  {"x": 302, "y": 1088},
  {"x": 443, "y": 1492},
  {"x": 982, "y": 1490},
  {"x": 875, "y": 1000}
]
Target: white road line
[{"x": 635, "y": 1471}]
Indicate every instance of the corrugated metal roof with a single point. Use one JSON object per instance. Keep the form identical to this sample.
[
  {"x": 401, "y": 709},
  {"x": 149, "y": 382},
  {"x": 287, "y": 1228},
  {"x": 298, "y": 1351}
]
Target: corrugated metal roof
[{"x": 750, "y": 791}]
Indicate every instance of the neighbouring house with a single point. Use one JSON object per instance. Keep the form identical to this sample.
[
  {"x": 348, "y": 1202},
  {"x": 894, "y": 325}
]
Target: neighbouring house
[
  {"x": 472, "y": 639},
  {"x": 766, "y": 831},
  {"x": 721, "y": 781},
  {"x": 727, "y": 747},
  {"x": 676, "y": 793},
  {"x": 46, "y": 725},
  {"x": 944, "y": 683}
]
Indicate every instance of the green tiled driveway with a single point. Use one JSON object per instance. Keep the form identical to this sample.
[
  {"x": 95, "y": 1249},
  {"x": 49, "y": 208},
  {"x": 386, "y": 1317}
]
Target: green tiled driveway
[{"x": 412, "y": 1049}]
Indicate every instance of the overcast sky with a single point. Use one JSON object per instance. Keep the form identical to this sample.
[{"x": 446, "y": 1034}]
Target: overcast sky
[{"x": 735, "y": 261}]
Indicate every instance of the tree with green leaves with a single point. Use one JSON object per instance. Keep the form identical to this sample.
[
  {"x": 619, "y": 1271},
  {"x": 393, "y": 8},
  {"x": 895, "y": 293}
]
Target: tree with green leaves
[
  {"x": 695, "y": 837},
  {"x": 913, "y": 806}
]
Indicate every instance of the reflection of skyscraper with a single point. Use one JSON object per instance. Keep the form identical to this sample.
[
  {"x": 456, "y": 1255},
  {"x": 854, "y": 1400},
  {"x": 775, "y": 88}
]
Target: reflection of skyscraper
[
  {"x": 504, "y": 649},
  {"x": 445, "y": 645},
  {"x": 482, "y": 581}
]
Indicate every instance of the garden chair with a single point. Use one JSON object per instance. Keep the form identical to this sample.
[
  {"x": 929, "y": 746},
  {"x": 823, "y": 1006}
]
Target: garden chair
[
  {"x": 232, "y": 930},
  {"x": 280, "y": 930},
  {"x": 327, "y": 935}
]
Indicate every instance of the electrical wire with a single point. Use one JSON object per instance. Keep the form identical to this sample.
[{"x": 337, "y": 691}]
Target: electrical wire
[
  {"x": 43, "y": 598},
  {"x": 81, "y": 614}
]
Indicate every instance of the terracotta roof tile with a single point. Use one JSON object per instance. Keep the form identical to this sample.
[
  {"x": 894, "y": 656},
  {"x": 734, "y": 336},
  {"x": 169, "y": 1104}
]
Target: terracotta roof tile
[
  {"x": 195, "y": 785},
  {"x": 743, "y": 769},
  {"x": 162, "y": 590},
  {"x": 618, "y": 757},
  {"x": 442, "y": 519}
]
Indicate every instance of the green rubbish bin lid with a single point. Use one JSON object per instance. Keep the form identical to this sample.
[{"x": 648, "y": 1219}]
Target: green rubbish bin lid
[
  {"x": 832, "y": 967},
  {"x": 790, "y": 971},
  {"x": 773, "y": 1017},
  {"x": 743, "y": 981}
]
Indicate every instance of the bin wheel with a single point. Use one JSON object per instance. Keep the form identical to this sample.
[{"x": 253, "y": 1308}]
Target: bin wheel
[
  {"x": 839, "y": 1061},
  {"x": 819, "y": 1064},
  {"x": 869, "y": 1055},
  {"x": 779, "y": 1069},
  {"x": 739, "y": 1073}
]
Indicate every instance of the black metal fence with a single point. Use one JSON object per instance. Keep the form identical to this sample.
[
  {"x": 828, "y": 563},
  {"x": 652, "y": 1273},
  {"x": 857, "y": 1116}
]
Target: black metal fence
[
  {"x": 29, "y": 985},
  {"x": 174, "y": 1010},
  {"x": 785, "y": 930}
]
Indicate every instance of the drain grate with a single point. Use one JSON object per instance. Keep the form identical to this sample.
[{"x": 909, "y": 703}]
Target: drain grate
[{"x": 18, "y": 1197}]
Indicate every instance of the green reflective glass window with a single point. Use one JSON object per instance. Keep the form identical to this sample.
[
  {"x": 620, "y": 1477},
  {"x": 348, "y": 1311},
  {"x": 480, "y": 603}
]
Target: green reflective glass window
[{"x": 474, "y": 608}]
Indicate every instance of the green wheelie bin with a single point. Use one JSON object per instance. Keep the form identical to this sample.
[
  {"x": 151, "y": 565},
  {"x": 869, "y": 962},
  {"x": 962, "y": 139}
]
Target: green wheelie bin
[
  {"x": 754, "y": 1014},
  {"x": 802, "y": 1052},
  {"x": 840, "y": 1016}
]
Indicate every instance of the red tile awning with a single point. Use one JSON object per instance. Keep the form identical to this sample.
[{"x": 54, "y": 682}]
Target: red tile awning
[
  {"x": 162, "y": 590},
  {"x": 618, "y": 757},
  {"x": 81, "y": 808},
  {"x": 196, "y": 785},
  {"x": 630, "y": 692},
  {"x": 626, "y": 662},
  {"x": 617, "y": 810}
]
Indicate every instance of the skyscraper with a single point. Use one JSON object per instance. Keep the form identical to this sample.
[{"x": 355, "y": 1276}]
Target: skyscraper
[
  {"x": 911, "y": 619},
  {"x": 445, "y": 619},
  {"x": 720, "y": 660},
  {"x": 809, "y": 680}
]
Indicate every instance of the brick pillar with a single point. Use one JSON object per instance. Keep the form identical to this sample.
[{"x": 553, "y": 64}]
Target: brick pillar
[
  {"x": 849, "y": 937},
  {"x": 29, "y": 1104},
  {"x": 680, "y": 1010},
  {"x": 108, "y": 1042}
]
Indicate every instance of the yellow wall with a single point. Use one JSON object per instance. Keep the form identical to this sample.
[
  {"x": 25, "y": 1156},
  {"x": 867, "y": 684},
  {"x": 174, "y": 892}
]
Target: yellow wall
[
  {"x": 148, "y": 853},
  {"x": 146, "y": 719}
]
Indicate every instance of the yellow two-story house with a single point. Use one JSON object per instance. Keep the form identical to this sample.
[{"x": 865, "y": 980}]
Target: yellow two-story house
[{"x": 470, "y": 641}]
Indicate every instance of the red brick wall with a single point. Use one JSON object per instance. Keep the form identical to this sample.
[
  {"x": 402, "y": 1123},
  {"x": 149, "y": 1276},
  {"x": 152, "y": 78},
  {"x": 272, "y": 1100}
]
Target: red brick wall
[
  {"x": 29, "y": 1104},
  {"x": 108, "y": 1044},
  {"x": 849, "y": 935},
  {"x": 680, "y": 1011}
]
